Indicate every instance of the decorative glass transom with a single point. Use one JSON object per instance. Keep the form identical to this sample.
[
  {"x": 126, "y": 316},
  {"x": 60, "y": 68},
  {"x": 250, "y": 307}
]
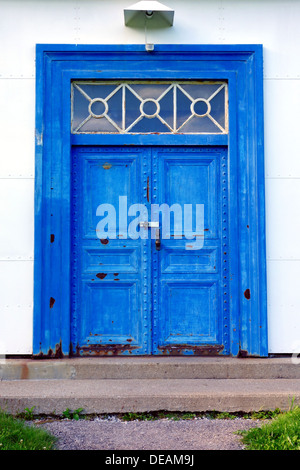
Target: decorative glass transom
[{"x": 143, "y": 107}]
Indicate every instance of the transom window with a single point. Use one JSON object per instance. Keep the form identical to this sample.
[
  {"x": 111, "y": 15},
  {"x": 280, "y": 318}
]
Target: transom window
[{"x": 143, "y": 107}]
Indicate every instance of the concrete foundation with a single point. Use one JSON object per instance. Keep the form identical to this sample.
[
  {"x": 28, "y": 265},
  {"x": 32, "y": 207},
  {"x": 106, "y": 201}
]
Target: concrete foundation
[{"x": 118, "y": 385}]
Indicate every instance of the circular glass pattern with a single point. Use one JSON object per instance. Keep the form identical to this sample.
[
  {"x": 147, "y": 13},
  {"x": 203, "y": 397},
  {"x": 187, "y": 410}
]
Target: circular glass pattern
[
  {"x": 150, "y": 108},
  {"x": 98, "y": 108},
  {"x": 143, "y": 107},
  {"x": 200, "y": 107}
]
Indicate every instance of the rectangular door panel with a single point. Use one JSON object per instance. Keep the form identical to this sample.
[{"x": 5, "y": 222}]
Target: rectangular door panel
[
  {"x": 111, "y": 260},
  {"x": 190, "y": 180},
  {"x": 111, "y": 315},
  {"x": 176, "y": 260},
  {"x": 105, "y": 178},
  {"x": 191, "y": 311}
]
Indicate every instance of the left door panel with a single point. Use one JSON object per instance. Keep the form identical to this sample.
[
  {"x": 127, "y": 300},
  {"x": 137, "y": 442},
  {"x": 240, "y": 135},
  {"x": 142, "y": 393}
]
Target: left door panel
[{"x": 110, "y": 271}]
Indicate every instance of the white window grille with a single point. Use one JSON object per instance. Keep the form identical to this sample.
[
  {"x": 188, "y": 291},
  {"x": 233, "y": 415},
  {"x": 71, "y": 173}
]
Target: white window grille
[{"x": 143, "y": 107}]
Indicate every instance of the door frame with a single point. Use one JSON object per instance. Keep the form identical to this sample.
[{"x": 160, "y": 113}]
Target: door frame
[{"x": 56, "y": 66}]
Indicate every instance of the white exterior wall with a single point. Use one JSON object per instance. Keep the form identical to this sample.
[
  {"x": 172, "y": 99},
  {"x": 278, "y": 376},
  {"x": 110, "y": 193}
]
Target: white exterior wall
[{"x": 273, "y": 23}]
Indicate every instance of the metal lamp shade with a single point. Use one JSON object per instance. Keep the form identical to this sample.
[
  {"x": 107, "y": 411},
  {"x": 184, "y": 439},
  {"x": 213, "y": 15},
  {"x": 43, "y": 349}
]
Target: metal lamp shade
[{"x": 139, "y": 11}]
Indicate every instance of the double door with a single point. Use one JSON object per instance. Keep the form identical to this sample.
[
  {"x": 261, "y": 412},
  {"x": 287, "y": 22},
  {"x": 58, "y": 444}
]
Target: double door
[{"x": 150, "y": 251}]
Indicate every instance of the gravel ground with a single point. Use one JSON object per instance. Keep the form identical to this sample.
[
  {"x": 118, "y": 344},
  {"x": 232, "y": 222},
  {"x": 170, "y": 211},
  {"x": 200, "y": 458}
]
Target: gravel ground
[{"x": 162, "y": 434}]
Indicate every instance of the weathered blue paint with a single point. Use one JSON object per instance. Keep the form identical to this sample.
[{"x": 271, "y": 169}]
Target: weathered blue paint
[
  {"x": 191, "y": 301},
  {"x": 111, "y": 287},
  {"x": 245, "y": 325},
  {"x": 122, "y": 286}
]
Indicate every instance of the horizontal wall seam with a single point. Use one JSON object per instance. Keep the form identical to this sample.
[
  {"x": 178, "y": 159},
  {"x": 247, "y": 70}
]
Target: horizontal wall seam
[
  {"x": 282, "y": 78},
  {"x": 17, "y": 78},
  {"x": 17, "y": 259},
  {"x": 282, "y": 177},
  {"x": 283, "y": 259}
]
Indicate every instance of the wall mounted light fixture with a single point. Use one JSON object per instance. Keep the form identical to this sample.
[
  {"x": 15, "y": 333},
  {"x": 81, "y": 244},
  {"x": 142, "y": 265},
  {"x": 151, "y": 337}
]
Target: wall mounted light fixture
[{"x": 144, "y": 11}]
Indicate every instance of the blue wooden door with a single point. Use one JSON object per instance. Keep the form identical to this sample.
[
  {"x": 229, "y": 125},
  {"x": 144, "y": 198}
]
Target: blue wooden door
[{"x": 150, "y": 253}]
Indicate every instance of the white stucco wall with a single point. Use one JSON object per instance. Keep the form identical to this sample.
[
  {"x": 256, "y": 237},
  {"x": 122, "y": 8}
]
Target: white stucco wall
[{"x": 273, "y": 23}]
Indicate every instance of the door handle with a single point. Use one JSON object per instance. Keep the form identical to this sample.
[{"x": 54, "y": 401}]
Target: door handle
[
  {"x": 154, "y": 225},
  {"x": 157, "y": 239},
  {"x": 149, "y": 224}
]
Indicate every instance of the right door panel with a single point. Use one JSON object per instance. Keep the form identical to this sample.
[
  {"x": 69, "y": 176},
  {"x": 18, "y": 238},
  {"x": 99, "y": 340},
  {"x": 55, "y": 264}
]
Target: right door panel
[{"x": 190, "y": 295}]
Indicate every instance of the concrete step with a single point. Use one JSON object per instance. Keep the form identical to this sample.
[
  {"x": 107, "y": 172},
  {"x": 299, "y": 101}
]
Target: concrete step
[
  {"x": 141, "y": 395},
  {"x": 149, "y": 368}
]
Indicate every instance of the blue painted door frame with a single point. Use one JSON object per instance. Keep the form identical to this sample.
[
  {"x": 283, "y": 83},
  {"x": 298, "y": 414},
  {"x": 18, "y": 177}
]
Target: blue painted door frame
[{"x": 241, "y": 66}]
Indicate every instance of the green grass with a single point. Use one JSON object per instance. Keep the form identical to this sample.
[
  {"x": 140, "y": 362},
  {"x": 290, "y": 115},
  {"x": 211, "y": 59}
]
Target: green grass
[
  {"x": 175, "y": 416},
  {"x": 281, "y": 433},
  {"x": 76, "y": 414},
  {"x": 263, "y": 414},
  {"x": 16, "y": 435}
]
